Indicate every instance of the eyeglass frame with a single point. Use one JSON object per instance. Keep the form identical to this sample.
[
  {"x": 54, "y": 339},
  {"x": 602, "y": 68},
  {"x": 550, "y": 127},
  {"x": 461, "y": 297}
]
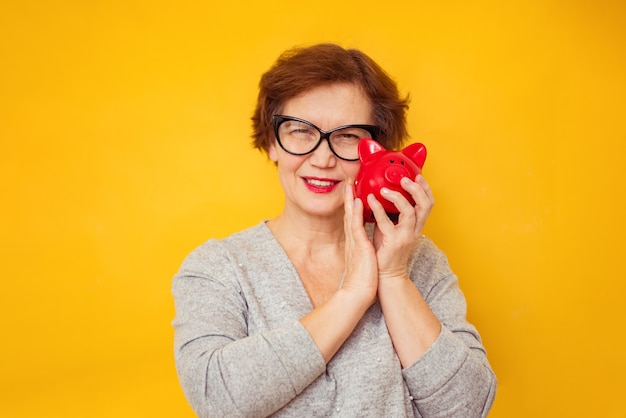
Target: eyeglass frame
[{"x": 278, "y": 120}]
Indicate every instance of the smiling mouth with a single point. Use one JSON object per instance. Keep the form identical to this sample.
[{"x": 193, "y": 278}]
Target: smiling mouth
[{"x": 320, "y": 183}]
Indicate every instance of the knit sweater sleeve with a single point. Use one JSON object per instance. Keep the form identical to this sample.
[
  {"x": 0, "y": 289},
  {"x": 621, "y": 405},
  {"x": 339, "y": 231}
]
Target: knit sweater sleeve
[
  {"x": 222, "y": 369},
  {"x": 453, "y": 378}
]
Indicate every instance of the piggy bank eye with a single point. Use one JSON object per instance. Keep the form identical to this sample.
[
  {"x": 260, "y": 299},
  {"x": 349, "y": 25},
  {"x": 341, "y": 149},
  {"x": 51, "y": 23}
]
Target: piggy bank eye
[
  {"x": 402, "y": 162},
  {"x": 392, "y": 161}
]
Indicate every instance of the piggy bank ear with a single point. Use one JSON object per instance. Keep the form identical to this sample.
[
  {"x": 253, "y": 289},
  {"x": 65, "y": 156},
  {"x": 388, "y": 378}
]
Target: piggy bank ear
[
  {"x": 368, "y": 147},
  {"x": 417, "y": 153}
]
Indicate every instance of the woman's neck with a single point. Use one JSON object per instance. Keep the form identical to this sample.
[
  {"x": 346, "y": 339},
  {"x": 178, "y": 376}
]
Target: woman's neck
[
  {"x": 316, "y": 250},
  {"x": 304, "y": 236}
]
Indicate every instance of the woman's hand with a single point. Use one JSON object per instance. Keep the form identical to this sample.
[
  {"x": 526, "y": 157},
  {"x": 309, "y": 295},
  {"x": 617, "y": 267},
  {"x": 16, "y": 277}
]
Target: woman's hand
[
  {"x": 361, "y": 270},
  {"x": 394, "y": 244}
]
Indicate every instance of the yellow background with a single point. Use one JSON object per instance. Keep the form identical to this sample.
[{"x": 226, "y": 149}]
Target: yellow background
[{"x": 124, "y": 128}]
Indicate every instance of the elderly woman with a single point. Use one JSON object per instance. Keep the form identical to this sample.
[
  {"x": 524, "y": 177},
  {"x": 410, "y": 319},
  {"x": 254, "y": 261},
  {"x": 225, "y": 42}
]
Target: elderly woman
[{"x": 314, "y": 313}]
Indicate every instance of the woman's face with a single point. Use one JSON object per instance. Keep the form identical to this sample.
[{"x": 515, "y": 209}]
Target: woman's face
[{"x": 314, "y": 183}]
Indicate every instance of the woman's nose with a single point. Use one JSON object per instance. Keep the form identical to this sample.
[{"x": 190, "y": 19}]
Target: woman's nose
[{"x": 323, "y": 155}]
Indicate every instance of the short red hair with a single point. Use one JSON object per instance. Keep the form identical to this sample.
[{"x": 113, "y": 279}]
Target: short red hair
[{"x": 303, "y": 68}]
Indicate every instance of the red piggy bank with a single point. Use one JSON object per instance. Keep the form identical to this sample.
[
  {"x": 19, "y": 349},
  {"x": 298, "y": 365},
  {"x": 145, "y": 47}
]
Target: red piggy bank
[{"x": 381, "y": 168}]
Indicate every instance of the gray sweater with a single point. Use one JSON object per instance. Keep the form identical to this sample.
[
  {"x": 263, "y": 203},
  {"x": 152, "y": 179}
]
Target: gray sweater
[{"x": 241, "y": 351}]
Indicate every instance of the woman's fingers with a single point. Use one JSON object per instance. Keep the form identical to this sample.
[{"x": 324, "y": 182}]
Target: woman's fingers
[{"x": 422, "y": 194}]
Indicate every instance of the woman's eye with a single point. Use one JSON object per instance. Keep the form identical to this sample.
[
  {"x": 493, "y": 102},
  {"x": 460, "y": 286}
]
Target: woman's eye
[
  {"x": 348, "y": 135},
  {"x": 302, "y": 131}
]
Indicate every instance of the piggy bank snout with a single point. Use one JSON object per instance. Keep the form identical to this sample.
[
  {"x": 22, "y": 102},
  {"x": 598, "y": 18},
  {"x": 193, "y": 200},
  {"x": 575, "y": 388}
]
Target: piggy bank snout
[{"x": 395, "y": 173}]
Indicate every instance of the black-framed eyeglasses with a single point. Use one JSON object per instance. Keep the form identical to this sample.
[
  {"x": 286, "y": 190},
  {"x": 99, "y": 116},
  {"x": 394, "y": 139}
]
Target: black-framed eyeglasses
[{"x": 300, "y": 137}]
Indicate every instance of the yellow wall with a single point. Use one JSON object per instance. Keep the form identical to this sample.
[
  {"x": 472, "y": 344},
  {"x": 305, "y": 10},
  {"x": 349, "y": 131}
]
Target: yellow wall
[{"x": 124, "y": 129}]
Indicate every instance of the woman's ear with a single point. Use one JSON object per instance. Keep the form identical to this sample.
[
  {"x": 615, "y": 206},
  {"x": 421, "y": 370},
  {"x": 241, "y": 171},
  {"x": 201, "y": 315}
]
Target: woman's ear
[{"x": 272, "y": 152}]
